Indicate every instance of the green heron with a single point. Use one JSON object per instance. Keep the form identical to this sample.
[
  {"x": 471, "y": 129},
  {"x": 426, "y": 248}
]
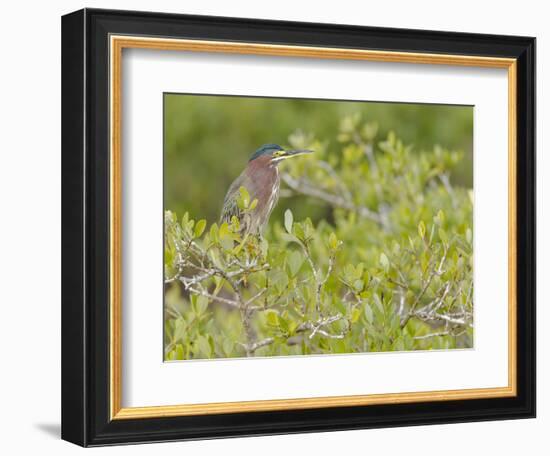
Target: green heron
[{"x": 261, "y": 180}]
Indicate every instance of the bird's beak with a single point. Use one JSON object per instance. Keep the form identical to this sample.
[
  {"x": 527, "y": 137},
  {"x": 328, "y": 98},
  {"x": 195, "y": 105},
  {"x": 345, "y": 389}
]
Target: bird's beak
[{"x": 296, "y": 152}]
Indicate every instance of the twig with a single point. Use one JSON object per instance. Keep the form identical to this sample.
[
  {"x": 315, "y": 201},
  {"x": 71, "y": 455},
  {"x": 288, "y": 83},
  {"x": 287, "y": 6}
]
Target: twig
[
  {"x": 332, "y": 173},
  {"x": 316, "y": 328},
  {"x": 439, "y": 302},
  {"x": 427, "y": 283},
  {"x": 439, "y": 334},
  {"x": 401, "y": 308},
  {"x": 444, "y": 178},
  {"x": 369, "y": 152},
  {"x": 259, "y": 294},
  {"x": 315, "y": 273},
  {"x": 330, "y": 336},
  {"x": 212, "y": 297},
  {"x": 443, "y": 317},
  {"x": 256, "y": 345},
  {"x": 304, "y": 187}
]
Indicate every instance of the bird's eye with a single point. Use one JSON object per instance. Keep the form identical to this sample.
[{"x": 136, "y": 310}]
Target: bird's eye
[{"x": 278, "y": 153}]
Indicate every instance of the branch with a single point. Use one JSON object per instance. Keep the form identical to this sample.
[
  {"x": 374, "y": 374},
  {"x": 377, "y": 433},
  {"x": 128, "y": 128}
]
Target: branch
[
  {"x": 304, "y": 187},
  {"x": 444, "y": 178},
  {"x": 212, "y": 297},
  {"x": 316, "y": 328},
  {"x": 332, "y": 173},
  {"x": 439, "y": 334},
  {"x": 453, "y": 320},
  {"x": 318, "y": 283},
  {"x": 256, "y": 345},
  {"x": 259, "y": 294},
  {"x": 206, "y": 265},
  {"x": 427, "y": 283}
]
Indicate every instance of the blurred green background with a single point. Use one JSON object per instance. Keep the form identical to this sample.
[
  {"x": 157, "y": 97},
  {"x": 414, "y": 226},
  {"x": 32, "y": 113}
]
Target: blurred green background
[{"x": 209, "y": 139}]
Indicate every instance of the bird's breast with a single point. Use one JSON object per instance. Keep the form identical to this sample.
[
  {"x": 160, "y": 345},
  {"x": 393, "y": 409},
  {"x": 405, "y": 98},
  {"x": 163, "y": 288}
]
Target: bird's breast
[{"x": 264, "y": 182}]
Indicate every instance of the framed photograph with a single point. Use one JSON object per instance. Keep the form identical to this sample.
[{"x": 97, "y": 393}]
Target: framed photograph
[{"x": 278, "y": 227}]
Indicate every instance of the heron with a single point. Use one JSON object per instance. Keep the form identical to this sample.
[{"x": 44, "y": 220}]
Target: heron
[{"x": 261, "y": 180}]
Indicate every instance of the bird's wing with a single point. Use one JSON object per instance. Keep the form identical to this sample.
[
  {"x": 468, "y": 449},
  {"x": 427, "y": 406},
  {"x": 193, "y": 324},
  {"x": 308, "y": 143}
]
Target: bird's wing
[{"x": 230, "y": 207}]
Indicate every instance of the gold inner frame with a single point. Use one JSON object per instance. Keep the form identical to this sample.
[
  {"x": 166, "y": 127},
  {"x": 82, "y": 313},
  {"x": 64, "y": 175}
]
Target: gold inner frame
[{"x": 117, "y": 44}]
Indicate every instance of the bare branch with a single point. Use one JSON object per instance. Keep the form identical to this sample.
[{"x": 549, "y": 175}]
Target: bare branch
[
  {"x": 212, "y": 297},
  {"x": 446, "y": 318},
  {"x": 330, "y": 336},
  {"x": 439, "y": 334},
  {"x": 256, "y": 345},
  {"x": 332, "y": 173},
  {"x": 316, "y": 327},
  {"x": 259, "y": 294},
  {"x": 306, "y": 188},
  {"x": 444, "y": 178},
  {"x": 427, "y": 283}
]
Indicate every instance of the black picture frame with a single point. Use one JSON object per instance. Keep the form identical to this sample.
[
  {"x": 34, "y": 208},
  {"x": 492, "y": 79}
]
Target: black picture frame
[{"x": 85, "y": 228}]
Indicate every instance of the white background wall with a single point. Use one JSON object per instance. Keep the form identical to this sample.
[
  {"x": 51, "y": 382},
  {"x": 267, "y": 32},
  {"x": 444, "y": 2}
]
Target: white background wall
[{"x": 30, "y": 192}]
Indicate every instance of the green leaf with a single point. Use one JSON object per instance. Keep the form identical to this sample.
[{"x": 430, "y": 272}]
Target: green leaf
[
  {"x": 202, "y": 304},
  {"x": 272, "y": 318},
  {"x": 299, "y": 231},
  {"x": 333, "y": 241},
  {"x": 308, "y": 228},
  {"x": 439, "y": 219},
  {"x": 379, "y": 305},
  {"x": 244, "y": 200},
  {"x": 199, "y": 228},
  {"x": 228, "y": 346},
  {"x": 214, "y": 233},
  {"x": 219, "y": 284},
  {"x": 369, "y": 131},
  {"x": 184, "y": 219},
  {"x": 204, "y": 347},
  {"x": 355, "y": 315},
  {"x": 253, "y": 204},
  {"x": 358, "y": 285},
  {"x": 398, "y": 344},
  {"x": 384, "y": 261},
  {"x": 181, "y": 327},
  {"x": 349, "y": 273},
  {"x": 421, "y": 229},
  {"x": 235, "y": 223},
  {"x": 289, "y": 219},
  {"x": 283, "y": 324},
  {"x": 224, "y": 231},
  {"x": 368, "y": 313},
  {"x": 225, "y": 235},
  {"x": 168, "y": 257},
  {"x": 279, "y": 281},
  {"x": 295, "y": 261}
]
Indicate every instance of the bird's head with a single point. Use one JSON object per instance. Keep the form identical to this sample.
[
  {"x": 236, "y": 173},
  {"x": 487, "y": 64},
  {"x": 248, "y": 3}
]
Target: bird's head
[{"x": 276, "y": 153}]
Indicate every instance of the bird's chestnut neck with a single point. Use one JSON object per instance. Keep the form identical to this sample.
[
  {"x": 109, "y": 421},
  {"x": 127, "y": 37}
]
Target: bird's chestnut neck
[{"x": 262, "y": 168}]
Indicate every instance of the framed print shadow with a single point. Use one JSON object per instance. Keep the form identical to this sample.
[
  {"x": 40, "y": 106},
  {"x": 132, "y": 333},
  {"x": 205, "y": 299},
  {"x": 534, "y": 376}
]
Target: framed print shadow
[{"x": 278, "y": 227}]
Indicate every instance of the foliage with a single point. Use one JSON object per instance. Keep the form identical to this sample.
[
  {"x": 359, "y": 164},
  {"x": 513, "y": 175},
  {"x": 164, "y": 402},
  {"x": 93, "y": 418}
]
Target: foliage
[
  {"x": 389, "y": 269},
  {"x": 208, "y": 140}
]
